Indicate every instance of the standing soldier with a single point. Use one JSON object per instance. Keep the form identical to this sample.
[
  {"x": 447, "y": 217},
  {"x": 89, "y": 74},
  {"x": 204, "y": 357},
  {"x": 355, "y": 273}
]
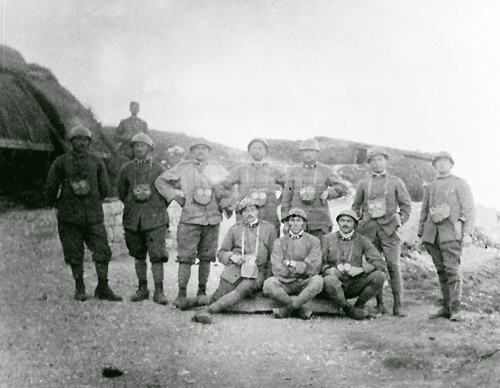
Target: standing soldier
[
  {"x": 377, "y": 200},
  {"x": 258, "y": 181},
  {"x": 127, "y": 129},
  {"x": 246, "y": 254},
  {"x": 310, "y": 186},
  {"x": 77, "y": 183},
  {"x": 195, "y": 185},
  {"x": 352, "y": 267},
  {"x": 145, "y": 217},
  {"x": 446, "y": 225},
  {"x": 296, "y": 263}
]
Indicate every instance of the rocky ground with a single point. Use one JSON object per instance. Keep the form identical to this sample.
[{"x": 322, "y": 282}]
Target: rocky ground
[{"x": 49, "y": 340}]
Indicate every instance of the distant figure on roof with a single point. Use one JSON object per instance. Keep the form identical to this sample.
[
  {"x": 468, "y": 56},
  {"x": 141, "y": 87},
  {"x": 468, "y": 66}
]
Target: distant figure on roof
[{"x": 127, "y": 129}]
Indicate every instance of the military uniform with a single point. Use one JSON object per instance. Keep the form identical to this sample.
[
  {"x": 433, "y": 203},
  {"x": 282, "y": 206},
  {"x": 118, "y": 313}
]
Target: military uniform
[
  {"x": 127, "y": 129},
  {"x": 355, "y": 250},
  {"x": 442, "y": 238},
  {"x": 319, "y": 178},
  {"x": 145, "y": 221},
  {"x": 382, "y": 229},
  {"x": 259, "y": 179},
  {"x": 77, "y": 183},
  {"x": 304, "y": 279},
  {"x": 198, "y": 231}
]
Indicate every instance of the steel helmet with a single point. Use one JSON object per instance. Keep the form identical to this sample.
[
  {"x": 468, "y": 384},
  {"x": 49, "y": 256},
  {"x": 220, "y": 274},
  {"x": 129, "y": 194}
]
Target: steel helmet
[
  {"x": 309, "y": 144},
  {"x": 349, "y": 213},
  {"x": 259, "y": 140},
  {"x": 197, "y": 142},
  {"x": 296, "y": 211},
  {"x": 375, "y": 151},
  {"x": 142, "y": 138},
  {"x": 80, "y": 130},
  {"x": 246, "y": 202},
  {"x": 442, "y": 155}
]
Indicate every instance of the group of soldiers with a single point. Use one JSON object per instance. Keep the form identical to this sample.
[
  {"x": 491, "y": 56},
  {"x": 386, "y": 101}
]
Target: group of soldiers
[{"x": 292, "y": 267}]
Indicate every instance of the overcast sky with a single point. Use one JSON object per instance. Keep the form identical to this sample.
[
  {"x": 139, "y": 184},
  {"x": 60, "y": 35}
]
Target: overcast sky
[{"x": 417, "y": 75}]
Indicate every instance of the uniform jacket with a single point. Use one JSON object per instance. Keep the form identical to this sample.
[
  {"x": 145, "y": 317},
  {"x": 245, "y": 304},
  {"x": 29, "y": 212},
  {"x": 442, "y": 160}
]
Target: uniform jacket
[
  {"x": 185, "y": 177},
  {"x": 126, "y": 130},
  {"x": 142, "y": 215},
  {"x": 318, "y": 214},
  {"x": 397, "y": 201},
  {"x": 259, "y": 176},
  {"x": 358, "y": 251},
  {"x": 70, "y": 167},
  {"x": 306, "y": 251},
  {"x": 462, "y": 211},
  {"x": 232, "y": 245}
]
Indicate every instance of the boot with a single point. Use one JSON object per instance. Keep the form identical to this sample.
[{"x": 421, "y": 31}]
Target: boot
[
  {"x": 357, "y": 313},
  {"x": 203, "y": 317},
  {"x": 282, "y": 313},
  {"x": 396, "y": 282},
  {"x": 203, "y": 273},
  {"x": 456, "y": 315},
  {"x": 142, "y": 292},
  {"x": 80, "y": 294},
  {"x": 189, "y": 303},
  {"x": 380, "y": 308},
  {"x": 304, "y": 313},
  {"x": 103, "y": 291},
  {"x": 159, "y": 296},
  {"x": 443, "y": 312},
  {"x": 183, "y": 275}
]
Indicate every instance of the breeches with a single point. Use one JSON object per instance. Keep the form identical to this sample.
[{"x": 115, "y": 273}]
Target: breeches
[
  {"x": 140, "y": 243},
  {"x": 197, "y": 241}
]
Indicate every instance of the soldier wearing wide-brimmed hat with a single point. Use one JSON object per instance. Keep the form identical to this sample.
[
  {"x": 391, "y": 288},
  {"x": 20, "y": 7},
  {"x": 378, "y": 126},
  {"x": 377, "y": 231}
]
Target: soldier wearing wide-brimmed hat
[
  {"x": 296, "y": 263},
  {"x": 310, "y": 186},
  {"x": 352, "y": 267},
  {"x": 195, "y": 185},
  {"x": 446, "y": 225},
  {"x": 245, "y": 253},
  {"x": 258, "y": 180},
  {"x": 77, "y": 183},
  {"x": 384, "y": 204},
  {"x": 127, "y": 129},
  {"x": 145, "y": 219}
]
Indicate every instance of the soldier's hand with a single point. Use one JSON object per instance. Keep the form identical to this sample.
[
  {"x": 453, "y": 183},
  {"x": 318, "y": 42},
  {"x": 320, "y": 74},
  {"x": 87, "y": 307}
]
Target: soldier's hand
[
  {"x": 397, "y": 217},
  {"x": 466, "y": 240},
  {"x": 355, "y": 271},
  {"x": 333, "y": 272},
  {"x": 237, "y": 259}
]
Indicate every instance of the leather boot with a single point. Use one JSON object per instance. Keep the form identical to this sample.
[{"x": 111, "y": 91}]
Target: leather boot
[
  {"x": 142, "y": 292},
  {"x": 380, "y": 308},
  {"x": 103, "y": 291},
  {"x": 282, "y": 313},
  {"x": 456, "y": 315},
  {"x": 80, "y": 294},
  {"x": 396, "y": 282},
  {"x": 203, "y": 316},
  {"x": 189, "y": 303},
  {"x": 357, "y": 313},
  {"x": 183, "y": 275},
  {"x": 159, "y": 296},
  {"x": 203, "y": 273},
  {"x": 443, "y": 312}
]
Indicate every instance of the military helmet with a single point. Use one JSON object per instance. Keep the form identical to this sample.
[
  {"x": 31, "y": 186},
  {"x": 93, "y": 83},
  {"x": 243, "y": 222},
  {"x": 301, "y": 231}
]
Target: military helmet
[
  {"x": 142, "y": 138},
  {"x": 349, "y": 213},
  {"x": 375, "y": 151},
  {"x": 296, "y": 211},
  {"x": 197, "y": 142},
  {"x": 309, "y": 144},
  {"x": 246, "y": 202},
  {"x": 442, "y": 155},
  {"x": 80, "y": 130},
  {"x": 259, "y": 140}
]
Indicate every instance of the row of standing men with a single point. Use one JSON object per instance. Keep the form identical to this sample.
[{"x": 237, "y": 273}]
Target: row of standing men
[{"x": 77, "y": 183}]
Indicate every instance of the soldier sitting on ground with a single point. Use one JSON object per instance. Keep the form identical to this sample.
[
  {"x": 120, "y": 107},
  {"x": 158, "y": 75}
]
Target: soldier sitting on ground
[
  {"x": 352, "y": 267},
  {"x": 296, "y": 263},
  {"x": 246, "y": 253},
  {"x": 145, "y": 217}
]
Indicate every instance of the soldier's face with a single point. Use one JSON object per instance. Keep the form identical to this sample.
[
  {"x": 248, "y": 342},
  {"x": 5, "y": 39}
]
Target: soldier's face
[
  {"x": 309, "y": 156},
  {"x": 443, "y": 165},
  {"x": 80, "y": 143},
  {"x": 134, "y": 109},
  {"x": 346, "y": 224},
  {"x": 378, "y": 163},
  {"x": 296, "y": 224},
  {"x": 200, "y": 152},
  {"x": 141, "y": 150},
  {"x": 257, "y": 151},
  {"x": 250, "y": 214}
]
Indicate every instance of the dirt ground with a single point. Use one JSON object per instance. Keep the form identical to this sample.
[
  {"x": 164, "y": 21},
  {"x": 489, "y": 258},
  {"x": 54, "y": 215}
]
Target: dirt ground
[{"x": 49, "y": 340}]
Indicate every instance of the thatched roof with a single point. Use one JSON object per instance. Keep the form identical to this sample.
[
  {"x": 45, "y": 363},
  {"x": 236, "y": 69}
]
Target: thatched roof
[{"x": 36, "y": 112}]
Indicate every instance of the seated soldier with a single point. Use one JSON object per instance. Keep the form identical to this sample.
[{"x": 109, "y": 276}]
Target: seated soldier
[
  {"x": 352, "y": 267},
  {"x": 246, "y": 253},
  {"x": 296, "y": 263}
]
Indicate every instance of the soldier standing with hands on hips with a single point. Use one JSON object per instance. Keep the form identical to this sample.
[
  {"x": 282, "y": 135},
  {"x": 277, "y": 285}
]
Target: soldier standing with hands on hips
[
  {"x": 384, "y": 205},
  {"x": 145, "y": 217},
  {"x": 77, "y": 183},
  {"x": 446, "y": 225}
]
